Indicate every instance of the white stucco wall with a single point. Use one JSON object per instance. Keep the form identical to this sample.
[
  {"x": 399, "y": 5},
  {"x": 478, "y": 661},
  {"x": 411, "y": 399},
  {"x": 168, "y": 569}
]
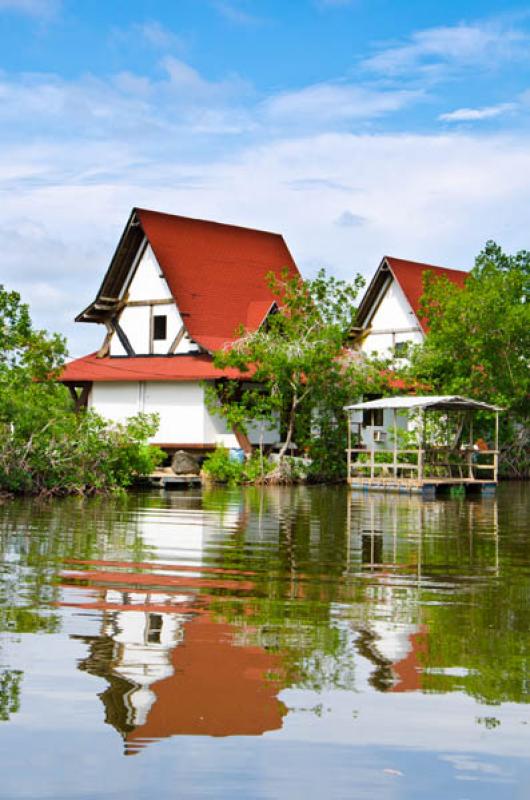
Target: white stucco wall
[
  {"x": 148, "y": 283},
  {"x": 393, "y": 321},
  {"x": 184, "y": 418}
]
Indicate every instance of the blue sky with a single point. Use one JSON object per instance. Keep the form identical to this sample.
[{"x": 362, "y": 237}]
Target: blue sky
[{"x": 354, "y": 128}]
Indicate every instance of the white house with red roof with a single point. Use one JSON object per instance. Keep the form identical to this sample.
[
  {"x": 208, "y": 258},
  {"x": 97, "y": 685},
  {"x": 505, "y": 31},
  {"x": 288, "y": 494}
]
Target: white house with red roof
[
  {"x": 176, "y": 290},
  {"x": 388, "y": 321},
  {"x": 389, "y": 316}
]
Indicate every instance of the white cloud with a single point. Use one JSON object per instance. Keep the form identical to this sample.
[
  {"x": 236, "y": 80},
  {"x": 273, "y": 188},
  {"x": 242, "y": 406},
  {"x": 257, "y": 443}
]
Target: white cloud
[
  {"x": 169, "y": 144},
  {"x": 33, "y": 8},
  {"x": 335, "y": 3},
  {"x": 478, "y": 114},
  {"x": 150, "y": 33},
  {"x": 350, "y": 220},
  {"x": 325, "y": 102},
  {"x": 233, "y": 12},
  {"x": 464, "y": 45},
  {"x": 158, "y": 36}
]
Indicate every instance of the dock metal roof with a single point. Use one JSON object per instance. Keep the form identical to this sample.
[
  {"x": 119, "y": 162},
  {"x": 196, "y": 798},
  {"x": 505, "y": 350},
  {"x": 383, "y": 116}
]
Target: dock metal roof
[{"x": 450, "y": 402}]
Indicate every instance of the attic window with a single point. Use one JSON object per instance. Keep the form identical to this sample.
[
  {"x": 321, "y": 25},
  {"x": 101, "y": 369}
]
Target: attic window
[
  {"x": 401, "y": 349},
  {"x": 159, "y": 327}
]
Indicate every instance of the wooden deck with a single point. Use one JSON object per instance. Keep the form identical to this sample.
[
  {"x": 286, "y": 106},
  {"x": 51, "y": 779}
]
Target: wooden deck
[
  {"x": 423, "y": 471},
  {"x": 166, "y": 480},
  {"x": 427, "y": 487}
]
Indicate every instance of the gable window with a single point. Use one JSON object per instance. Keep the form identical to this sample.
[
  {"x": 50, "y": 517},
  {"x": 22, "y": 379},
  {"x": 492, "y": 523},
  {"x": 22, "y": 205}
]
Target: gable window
[
  {"x": 159, "y": 327},
  {"x": 401, "y": 349}
]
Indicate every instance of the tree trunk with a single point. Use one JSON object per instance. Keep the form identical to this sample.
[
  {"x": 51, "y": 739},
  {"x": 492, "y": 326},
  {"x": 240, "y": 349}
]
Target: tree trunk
[{"x": 290, "y": 428}]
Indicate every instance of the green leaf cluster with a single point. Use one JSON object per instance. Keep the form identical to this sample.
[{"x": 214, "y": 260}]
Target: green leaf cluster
[
  {"x": 222, "y": 468},
  {"x": 300, "y": 371},
  {"x": 478, "y": 345},
  {"x": 478, "y": 341},
  {"x": 45, "y": 447}
]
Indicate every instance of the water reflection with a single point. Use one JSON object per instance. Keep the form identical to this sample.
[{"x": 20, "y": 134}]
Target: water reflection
[{"x": 199, "y": 613}]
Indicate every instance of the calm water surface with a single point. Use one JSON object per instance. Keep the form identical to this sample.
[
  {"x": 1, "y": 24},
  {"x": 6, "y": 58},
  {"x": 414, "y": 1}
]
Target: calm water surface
[{"x": 300, "y": 643}]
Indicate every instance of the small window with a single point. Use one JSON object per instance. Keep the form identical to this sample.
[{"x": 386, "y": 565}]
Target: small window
[
  {"x": 377, "y": 420},
  {"x": 401, "y": 349},
  {"x": 154, "y": 627},
  {"x": 160, "y": 326}
]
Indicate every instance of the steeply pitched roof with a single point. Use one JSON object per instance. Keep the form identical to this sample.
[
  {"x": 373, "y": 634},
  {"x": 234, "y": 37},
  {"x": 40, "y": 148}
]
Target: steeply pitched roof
[
  {"x": 194, "y": 367},
  {"x": 409, "y": 276},
  {"x": 216, "y": 272}
]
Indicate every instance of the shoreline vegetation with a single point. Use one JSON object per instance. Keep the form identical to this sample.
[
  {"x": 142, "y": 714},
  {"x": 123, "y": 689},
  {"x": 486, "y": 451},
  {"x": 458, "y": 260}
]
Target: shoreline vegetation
[
  {"x": 46, "y": 448},
  {"x": 303, "y": 368}
]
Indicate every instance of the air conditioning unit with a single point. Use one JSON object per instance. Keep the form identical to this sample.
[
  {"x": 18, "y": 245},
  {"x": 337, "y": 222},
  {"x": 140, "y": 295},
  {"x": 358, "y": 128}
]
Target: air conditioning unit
[{"x": 379, "y": 436}]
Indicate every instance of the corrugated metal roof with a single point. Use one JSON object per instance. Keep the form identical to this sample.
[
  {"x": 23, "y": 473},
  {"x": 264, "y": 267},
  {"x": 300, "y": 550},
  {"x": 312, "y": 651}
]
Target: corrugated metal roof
[{"x": 435, "y": 402}]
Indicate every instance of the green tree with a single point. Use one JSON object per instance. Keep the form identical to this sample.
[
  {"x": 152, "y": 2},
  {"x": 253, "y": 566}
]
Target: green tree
[
  {"x": 301, "y": 371},
  {"x": 46, "y": 448},
  {"x": 479, "y": 336},
  {"x": 478, "y": 341}
]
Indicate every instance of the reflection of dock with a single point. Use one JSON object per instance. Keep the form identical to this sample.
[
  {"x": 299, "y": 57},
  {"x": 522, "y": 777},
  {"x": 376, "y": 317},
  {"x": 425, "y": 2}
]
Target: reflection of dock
[
  {"x": 168, "y": 480},
  {"x": 426, "y": 487}
]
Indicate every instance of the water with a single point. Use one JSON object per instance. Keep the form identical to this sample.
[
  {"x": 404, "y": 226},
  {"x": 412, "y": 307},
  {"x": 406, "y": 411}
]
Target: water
[{"x": 300, "y": 643}]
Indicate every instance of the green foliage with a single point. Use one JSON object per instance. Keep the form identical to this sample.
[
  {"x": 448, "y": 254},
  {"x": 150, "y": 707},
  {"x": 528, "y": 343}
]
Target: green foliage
[
  {"x": 9, "y": 692},
  {"x": 299, "y": 370},
  {"x": 46, "y": 448},
  {"x": 479, "y": 336},
  {"x": 222, "y": 468},
  {"x": 478, "y": 343}
]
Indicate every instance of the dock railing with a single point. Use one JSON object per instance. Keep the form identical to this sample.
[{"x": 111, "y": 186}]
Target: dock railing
[{"x": 465, "y": 465}]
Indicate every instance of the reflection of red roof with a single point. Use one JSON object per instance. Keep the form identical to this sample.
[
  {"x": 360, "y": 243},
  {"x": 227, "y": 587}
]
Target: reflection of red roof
[
  {"x": 408, "y": 671},
  {"x": 218, "y": 688},
  {"x": 150, "y": 368},
  {"x": 409, "y": 275},
  {"x": 216, "y": 273}
]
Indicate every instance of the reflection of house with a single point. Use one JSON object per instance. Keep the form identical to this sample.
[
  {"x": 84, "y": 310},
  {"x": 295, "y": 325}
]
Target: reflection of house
[
  {"x": 397, "y": 652},
  {"x": 200, "y": 684},
  {"x": 177, "y": 289},
  {"x": 171, "y": 666}
]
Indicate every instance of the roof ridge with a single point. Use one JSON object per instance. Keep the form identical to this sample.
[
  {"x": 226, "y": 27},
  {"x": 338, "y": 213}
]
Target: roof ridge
[
  {"x": 203, "y": 221},
  {"x": 410, "y": 262}
]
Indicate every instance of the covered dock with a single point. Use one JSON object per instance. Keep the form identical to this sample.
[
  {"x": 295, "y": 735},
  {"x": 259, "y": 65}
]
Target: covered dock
[{"x": 443, "y": 454}]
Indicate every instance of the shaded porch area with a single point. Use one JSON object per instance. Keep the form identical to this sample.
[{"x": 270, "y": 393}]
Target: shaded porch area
[{"x": 434, "y": 450}]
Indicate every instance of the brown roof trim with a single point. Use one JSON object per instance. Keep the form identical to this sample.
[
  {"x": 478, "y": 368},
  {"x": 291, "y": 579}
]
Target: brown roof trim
[
  {"x": 371, "y": 294},
  {"x": 111, "y": 285}
]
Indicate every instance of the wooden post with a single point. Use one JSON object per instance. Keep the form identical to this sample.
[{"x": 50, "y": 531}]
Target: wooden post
[
  {"x": 395, "y": 443},
  {"x": 420, "y": 451},
  {"x": 348, "y": 417},
  {"x": 470, "y": 451},
  {"x": 372, "y": 448},
  {"x": 496, "y": 455}
]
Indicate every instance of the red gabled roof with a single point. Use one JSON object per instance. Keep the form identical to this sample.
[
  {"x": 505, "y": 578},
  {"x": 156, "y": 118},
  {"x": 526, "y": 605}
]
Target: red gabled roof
[
  {"x": 409, "y": 275},
  {"x": 216, "y": 272},
  {"x": 151, "y": 368}
]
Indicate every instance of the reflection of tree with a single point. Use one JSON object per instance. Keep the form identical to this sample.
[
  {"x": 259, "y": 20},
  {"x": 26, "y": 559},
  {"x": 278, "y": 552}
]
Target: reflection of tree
[
  {"x": 427, "y": 592},
  {"x": 294, "y": 546},
  {"x": 10, "y": 680},
  {"x": 36, "y": 539},
  {"x": 101, "y": 656}
]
